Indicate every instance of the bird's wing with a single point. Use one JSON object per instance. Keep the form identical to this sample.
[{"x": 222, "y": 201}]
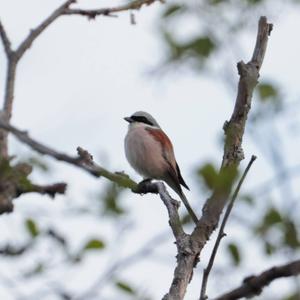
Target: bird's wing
[
  {"x": 181, "y": 180},
  {"x": 168, "y": 153}
]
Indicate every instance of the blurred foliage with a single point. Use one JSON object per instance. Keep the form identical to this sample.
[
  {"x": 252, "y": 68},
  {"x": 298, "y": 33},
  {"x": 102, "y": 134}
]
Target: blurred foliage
[
  {"x": 94, "y": 244},
  {"x": 110, "y": 200},
  {"x": 218, "y": 180},
  {"x": 38, "y": 163},
  {"x": 125, "y": 287},
  {"x": 234, "y": 252},
  {"x": 200, "y": 36},
  {"x": 32, "y": 227}
]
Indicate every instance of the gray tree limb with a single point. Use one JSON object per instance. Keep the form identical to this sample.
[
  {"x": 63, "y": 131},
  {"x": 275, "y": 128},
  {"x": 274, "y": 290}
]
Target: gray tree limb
[
  {"x": 233, "y": 154},
  {"x": 253, "y": 285}
]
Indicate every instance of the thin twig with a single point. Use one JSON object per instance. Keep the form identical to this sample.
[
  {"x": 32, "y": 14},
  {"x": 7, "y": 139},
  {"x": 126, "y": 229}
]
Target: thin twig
[
  {"x": 93, "y": 13},
  {"x": 122, "y": 264},
  {"x": 253, "y": 285},
  {"x": 221, "y": 232},
  {"x": 5, "y": 40}
]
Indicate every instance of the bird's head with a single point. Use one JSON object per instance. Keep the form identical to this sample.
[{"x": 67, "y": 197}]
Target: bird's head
[{"x": 143, "y": 118}]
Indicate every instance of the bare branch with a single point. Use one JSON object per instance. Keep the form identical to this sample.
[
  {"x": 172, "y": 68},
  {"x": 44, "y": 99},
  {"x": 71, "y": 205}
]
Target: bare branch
[
  {"x": 221, "y": 232},
  {"x": 5, "y": 40},
  {"x": 78, "y": 161},
  {"x": 25, "y": 45},
  {"x": 51, "y": 190},
  {"x": 93, "y": 13},
  {"x": 233, "y": 154},
  {"x": 253, "y": 285},
  {"x": 13, "y": 58}
]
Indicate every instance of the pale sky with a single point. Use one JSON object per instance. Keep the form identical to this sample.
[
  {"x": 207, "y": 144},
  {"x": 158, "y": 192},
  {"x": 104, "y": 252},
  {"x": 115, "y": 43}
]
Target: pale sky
[{"x": 73, "y": 88}]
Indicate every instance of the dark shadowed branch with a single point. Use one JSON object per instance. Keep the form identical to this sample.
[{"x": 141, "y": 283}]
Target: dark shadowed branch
[
  {"x": 233, "y": 154},
  {"x": 221, "y": 232},
  {"x": 253, "y": 285},
  {"x": 51, "y": 189}
]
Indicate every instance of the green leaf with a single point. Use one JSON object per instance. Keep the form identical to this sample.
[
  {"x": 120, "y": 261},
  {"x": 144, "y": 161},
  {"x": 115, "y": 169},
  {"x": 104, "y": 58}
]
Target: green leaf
[
  {"x": 247, "y": 199},
  {"x": 202, "y": 46},
  {"x": 172, "y": 10},
  {"x": 222, "y": 180},
  {"x": 271, "y": 217},
  {"x": 291, "y": 235},
  {"x": 254, "y": 2},
  {"x": 267, "y": 91},
  {"x": 94, "y": 244},
  {"x": 269, "y": 248},
  {"x": 294, "y": 296},
  {"x": 32, "y": 227},
  {"x": 234, "y": 253},
  {"x": 209, "y": 174},
  {"x": 214, "y": 2},
  {"x": 125, "y": 287},
  {"x": 110, "y": 200}
]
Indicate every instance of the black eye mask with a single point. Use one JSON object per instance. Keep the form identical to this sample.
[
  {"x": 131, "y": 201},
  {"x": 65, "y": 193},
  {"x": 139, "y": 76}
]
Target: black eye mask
[{"x": 142, "y": 119}]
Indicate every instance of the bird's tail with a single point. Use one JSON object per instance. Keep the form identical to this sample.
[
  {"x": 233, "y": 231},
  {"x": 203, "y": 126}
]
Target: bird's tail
[
  {"x": 188, "y": 207},
  {"x": 172, "y": 180}
]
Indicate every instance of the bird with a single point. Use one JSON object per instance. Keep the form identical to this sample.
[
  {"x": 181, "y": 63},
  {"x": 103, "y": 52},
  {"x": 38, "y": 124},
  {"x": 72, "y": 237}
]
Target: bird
[{"x": 150, "y": 153}]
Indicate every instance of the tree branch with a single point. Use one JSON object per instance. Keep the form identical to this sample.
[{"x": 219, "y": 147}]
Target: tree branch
[
  {"x": 253, "y": 285},
  {"x": 51, "y": 190},
  {"x": 5, "y": 40},
  {"x": 221, "y": 232},
  {"x": 85, "y": 161},
  {"x": 13, "y": 57},
  {"x": 79, "y": 161},
  {"x": 93, "y": 13},
  {"x": 34, "y": 33},
  {"x": 233, "y": 154}
]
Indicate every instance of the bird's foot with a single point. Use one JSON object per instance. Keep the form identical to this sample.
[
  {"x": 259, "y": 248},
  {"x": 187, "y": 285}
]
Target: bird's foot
[
  {"x": 144, "y": 186},
  {"x": 145, "y": 181}
]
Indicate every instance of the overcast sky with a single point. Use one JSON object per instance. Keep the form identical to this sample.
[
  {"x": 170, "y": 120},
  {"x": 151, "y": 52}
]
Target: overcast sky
[{"x": 81, "y": 78}]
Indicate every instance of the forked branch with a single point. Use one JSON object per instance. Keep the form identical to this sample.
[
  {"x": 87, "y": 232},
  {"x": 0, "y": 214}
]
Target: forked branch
[{"x": 233, "y": 154}]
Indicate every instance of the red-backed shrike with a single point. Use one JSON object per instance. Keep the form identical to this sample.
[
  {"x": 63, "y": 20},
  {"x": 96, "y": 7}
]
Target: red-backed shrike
[{"x": 150, "y": 152}]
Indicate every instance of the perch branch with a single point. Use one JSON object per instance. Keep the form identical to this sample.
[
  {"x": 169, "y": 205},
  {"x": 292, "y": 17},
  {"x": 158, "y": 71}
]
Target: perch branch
[
  {"x": 253, "y": 285},
  {"x": 233, "y": 154},
  {"x": 78, "y": 161},
  {"x": 221, "y": 232},
  {"x": 85, "y": 161}
]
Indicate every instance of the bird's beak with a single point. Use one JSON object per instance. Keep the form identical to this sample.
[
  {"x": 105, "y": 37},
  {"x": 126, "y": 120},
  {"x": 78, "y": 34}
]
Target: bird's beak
[{"x": 128, "y": 119}]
